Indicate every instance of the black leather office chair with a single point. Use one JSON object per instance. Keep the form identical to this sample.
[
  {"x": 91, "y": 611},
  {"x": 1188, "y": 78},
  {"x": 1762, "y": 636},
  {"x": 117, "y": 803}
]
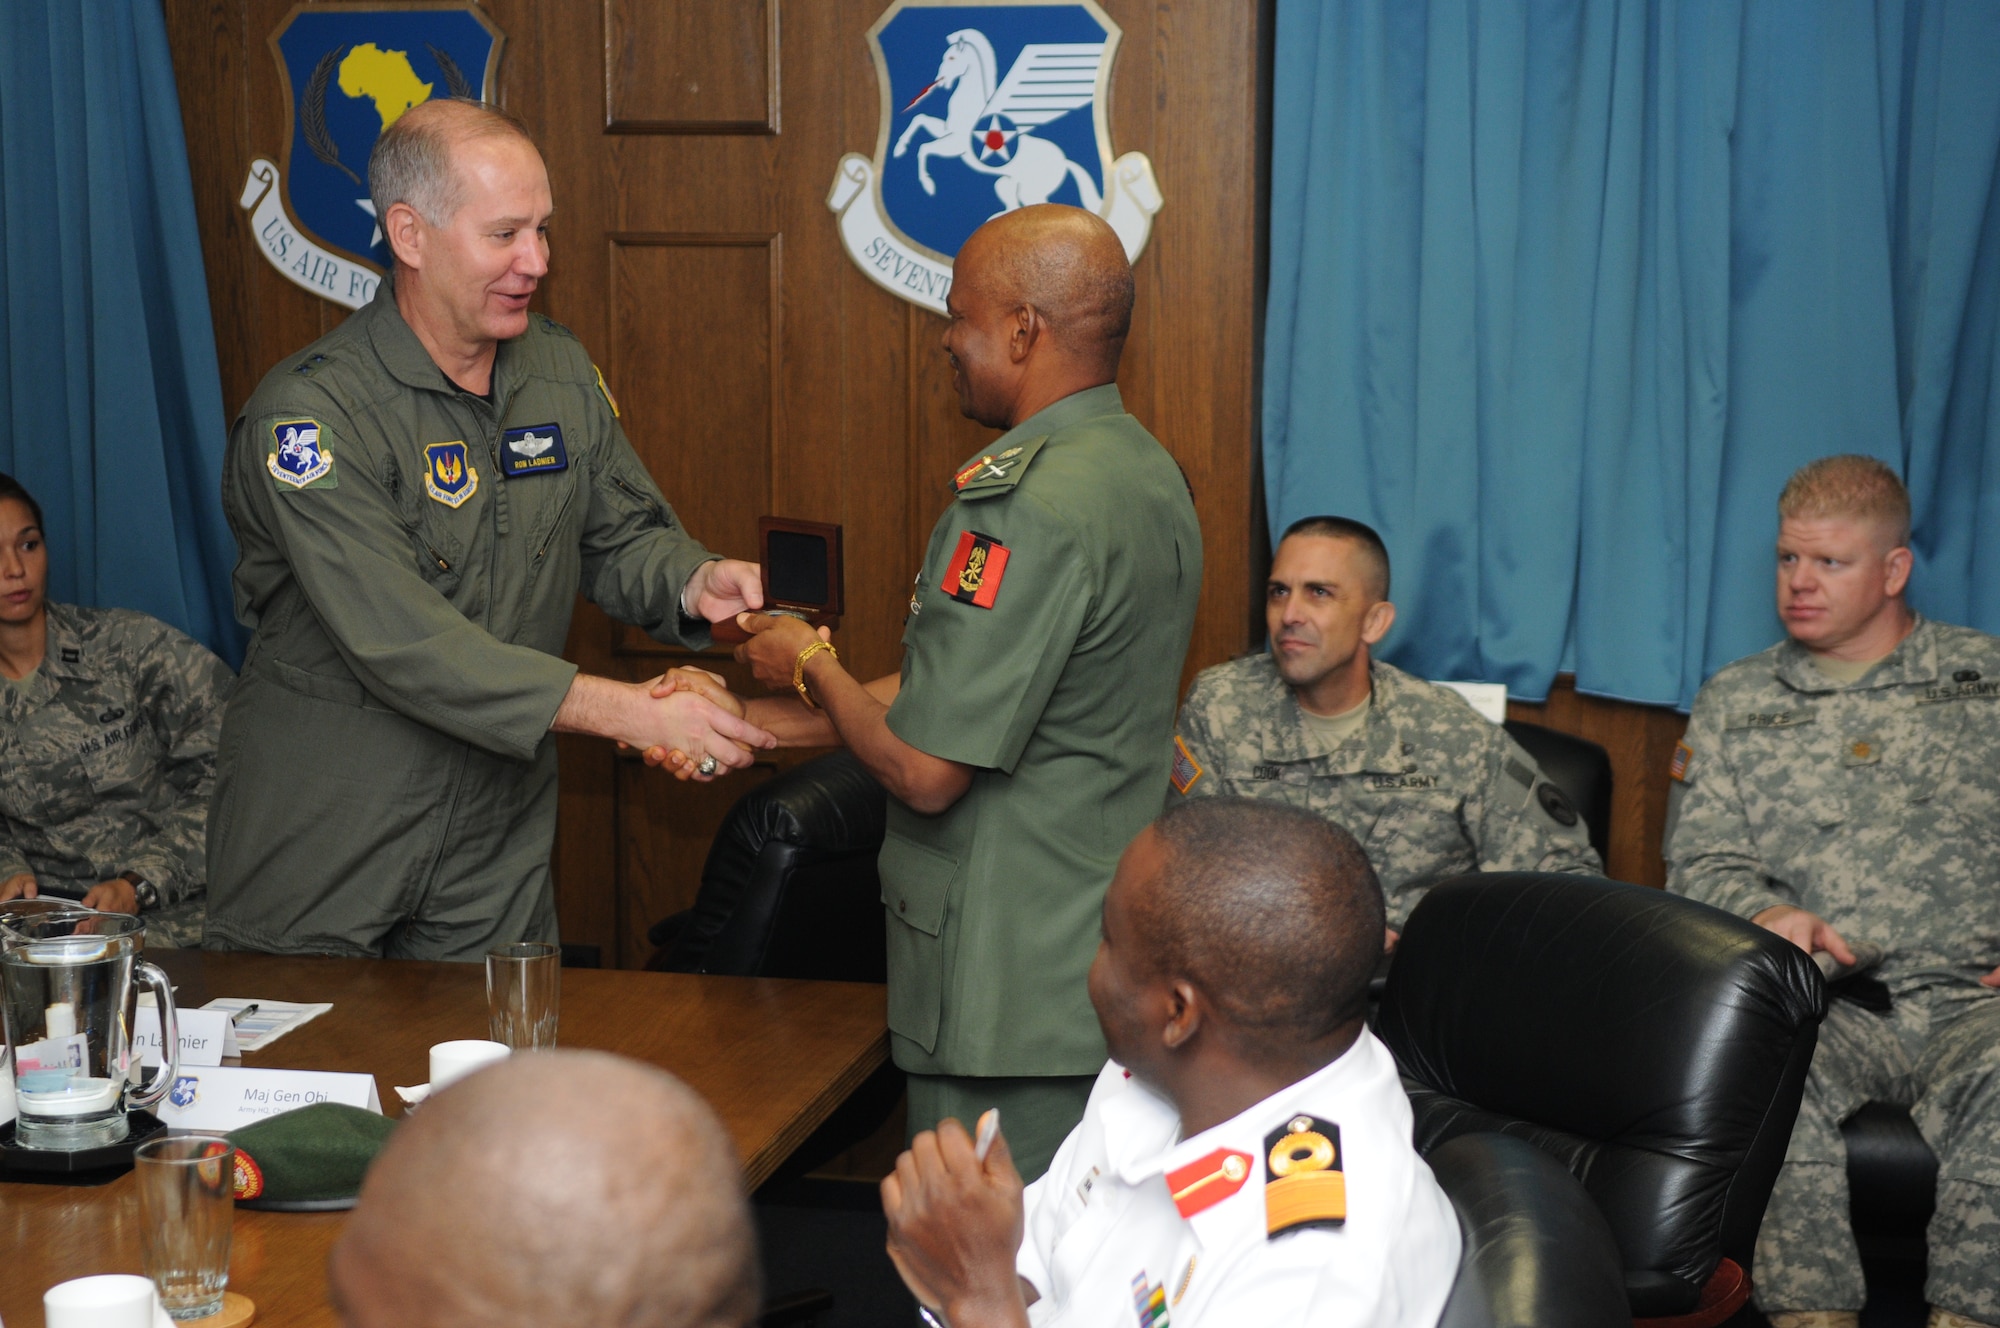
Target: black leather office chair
[
  {"x": 1537, "y": 1251},
  {"x": 1655, "y": 1046},
  {"x": 790, "y": 890},
  {"x": 1577, "y": 766}
]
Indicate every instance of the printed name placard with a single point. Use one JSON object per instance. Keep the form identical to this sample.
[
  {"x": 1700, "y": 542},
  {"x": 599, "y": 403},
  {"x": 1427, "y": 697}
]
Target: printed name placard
[
  {"x": 206, "y": 1036},
  {"x": 227, "y": 1097}
]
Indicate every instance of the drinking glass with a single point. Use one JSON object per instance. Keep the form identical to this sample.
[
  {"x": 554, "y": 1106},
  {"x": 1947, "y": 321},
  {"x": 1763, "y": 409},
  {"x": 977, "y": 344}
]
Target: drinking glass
[
  {"x": 523, "y": 994},
  {"x": 187, "y": 1204}
]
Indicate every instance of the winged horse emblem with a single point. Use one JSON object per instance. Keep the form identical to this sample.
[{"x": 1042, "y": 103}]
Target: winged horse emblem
[{"x": 989, "y": 123}]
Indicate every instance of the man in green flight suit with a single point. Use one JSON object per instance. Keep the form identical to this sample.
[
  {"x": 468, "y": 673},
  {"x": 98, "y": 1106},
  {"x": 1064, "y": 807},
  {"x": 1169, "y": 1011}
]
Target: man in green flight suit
[
  {"x": 1021, "y": 741},
  {"x": 418, "y": 498}
]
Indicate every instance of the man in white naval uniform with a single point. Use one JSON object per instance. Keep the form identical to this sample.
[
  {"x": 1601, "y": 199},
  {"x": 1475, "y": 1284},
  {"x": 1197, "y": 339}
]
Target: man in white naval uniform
[{"x": 1246, "y": 1156}]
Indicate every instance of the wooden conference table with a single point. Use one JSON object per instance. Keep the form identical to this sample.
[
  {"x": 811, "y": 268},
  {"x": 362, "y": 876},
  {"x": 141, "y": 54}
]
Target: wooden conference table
[{"x": 774, "y": 1058}]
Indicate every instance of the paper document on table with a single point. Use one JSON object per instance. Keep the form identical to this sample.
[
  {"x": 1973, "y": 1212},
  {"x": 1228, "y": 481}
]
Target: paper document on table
[{"x": 259, "y": 1023}]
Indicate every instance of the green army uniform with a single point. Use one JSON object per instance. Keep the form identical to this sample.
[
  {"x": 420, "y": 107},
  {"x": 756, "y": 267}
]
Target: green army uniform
[
  {"x": 107, "y": 760},
  {"x": 1043, "y": 647},
  {"x": 1429, "y": 786},
  {"x": 410, "y": 556},
  {"x": 1876, "y": 805}
]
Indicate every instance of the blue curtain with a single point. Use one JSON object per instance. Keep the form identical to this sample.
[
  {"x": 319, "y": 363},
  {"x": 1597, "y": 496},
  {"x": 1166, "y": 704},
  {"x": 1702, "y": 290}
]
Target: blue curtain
[
  {"x": 1562, "y": 292},
  {"x": 109, "y": 392}
]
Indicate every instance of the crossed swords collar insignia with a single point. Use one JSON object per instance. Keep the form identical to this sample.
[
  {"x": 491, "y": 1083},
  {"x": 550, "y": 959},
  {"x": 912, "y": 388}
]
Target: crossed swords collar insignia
[
  {"x": 986, "y": 108},
  {"x": 348, "y": 73}
]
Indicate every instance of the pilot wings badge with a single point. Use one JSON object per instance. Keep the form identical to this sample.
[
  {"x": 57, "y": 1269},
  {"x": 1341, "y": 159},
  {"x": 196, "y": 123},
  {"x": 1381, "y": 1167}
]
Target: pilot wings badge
[
  {"x": 349, "y": 72},
  {"x": 985, "y": 108}
]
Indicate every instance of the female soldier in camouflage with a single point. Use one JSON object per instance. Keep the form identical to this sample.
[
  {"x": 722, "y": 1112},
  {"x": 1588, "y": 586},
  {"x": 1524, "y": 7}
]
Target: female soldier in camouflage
[{"x": 108, "y": 723}]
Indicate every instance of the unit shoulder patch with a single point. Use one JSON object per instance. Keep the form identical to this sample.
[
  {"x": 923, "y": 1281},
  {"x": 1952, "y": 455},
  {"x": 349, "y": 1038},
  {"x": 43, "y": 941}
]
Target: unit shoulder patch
[
  {"x": 299, "y": 457},
  {"x": 449, "y": 476},
  {"x": 1187, "y": 771},
  {"x": 1305, "y": 1182},
  {"x": 605, "y": 388},
  {"x": 976, "y": 568}
]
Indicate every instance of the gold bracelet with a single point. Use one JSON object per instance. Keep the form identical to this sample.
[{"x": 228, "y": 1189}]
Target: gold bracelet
[{"x": 799, "y": 669}]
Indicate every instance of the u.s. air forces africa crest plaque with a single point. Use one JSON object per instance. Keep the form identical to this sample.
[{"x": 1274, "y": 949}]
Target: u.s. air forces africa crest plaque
[
  {"x": 987, "y": 106},
  {"x": 348, "y": 73}
]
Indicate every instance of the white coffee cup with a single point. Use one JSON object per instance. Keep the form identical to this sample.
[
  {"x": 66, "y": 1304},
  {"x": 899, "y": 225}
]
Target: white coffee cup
[
  {"x": 109, "y": 1300},
  {"x": 455, "y": 1060}
]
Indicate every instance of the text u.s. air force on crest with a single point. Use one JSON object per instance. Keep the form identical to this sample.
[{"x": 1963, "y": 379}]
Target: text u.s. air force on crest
[
  {"x": 348, "y": 73},
  {"x": 985, "y": 108}
]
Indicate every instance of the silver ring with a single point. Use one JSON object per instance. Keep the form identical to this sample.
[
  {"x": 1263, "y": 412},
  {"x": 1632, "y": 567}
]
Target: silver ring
[{"x": 707, "y": 766}]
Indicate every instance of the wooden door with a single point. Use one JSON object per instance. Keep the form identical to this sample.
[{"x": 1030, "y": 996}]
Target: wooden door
[{"x": 691, "y": 145}]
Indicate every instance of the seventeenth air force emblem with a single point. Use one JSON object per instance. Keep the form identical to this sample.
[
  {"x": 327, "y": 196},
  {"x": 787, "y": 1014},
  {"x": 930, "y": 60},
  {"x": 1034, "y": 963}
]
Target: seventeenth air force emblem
[{"x": 986, "y": 107}]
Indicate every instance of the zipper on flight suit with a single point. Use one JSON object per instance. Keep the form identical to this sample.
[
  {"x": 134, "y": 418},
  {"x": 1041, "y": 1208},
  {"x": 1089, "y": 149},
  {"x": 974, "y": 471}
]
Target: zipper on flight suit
[
  {"x": 554, "y": 526},
  {"x": 640, "y": 499}
]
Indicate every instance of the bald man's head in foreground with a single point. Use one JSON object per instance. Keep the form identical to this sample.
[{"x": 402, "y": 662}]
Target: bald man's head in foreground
[
  {"x": 557, "y": 1188},
  {"x": 1040, "y": 304}
]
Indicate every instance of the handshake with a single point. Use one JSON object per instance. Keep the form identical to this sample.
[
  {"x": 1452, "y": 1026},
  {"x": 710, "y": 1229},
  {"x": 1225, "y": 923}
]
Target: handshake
[{"x": 697, "y": 728}]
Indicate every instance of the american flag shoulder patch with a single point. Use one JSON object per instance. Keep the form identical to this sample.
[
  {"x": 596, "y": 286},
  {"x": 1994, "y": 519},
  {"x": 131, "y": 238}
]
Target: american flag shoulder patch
[
  {"x": 1677, "y": 769},
  {"x": 1187, "y": 770}
]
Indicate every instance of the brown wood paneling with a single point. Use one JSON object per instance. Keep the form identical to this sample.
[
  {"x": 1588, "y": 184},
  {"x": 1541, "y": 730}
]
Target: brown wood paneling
[
  {"x": 751, "y": 384},
  {"x": 1640, "y": 740},
  {"x": 691, "y": 67},
  {"x": 692, "y": 324}
]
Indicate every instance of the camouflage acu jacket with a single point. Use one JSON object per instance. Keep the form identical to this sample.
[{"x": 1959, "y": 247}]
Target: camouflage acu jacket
[
  {"x": 1429, "y": 786},
  {"x": 1875, "y": 805},
  {"x": 107, "y": 755}
]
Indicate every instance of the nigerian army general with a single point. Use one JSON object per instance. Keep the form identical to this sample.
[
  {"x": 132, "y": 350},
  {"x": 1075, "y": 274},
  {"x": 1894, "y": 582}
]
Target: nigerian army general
[
  {"x": 418, "y": 498},
  {"x": 1428, "y": 786},
  {"x": 1841, "y": 789},
  {"x": 1020, "y": 739}
]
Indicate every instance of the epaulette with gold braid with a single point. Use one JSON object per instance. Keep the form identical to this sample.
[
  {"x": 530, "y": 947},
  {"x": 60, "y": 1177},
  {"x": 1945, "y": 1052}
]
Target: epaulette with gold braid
[{"x": 1304, "y": 1184}]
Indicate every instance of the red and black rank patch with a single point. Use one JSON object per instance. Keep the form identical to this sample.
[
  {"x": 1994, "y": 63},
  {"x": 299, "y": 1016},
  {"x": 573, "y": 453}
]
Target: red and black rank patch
[
  {"x": 973, "y": 575},
  {"x": 1305, "y": 1182}
]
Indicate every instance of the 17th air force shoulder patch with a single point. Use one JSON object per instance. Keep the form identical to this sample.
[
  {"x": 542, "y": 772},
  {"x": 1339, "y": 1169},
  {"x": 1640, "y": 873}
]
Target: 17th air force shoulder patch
[{"x": 299, "y": 459}]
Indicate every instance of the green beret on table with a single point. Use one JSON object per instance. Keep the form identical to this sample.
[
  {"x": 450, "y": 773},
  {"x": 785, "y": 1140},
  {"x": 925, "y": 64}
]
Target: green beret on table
[{"x": 309, "y": 1160}]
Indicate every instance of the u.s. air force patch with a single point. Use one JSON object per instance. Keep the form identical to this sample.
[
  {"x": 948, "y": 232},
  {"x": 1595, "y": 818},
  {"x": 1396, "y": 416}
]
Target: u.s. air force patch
[
  {"x": 298, "y": 459},
  {"x": 448, "y": 474}
]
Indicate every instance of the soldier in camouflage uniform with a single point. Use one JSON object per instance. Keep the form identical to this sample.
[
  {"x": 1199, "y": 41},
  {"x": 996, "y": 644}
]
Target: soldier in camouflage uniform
[
  {"x": 1841, "y": 789},
  {"x": 1427, "y": 785},
  {"x": 108, "y": 725}
]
